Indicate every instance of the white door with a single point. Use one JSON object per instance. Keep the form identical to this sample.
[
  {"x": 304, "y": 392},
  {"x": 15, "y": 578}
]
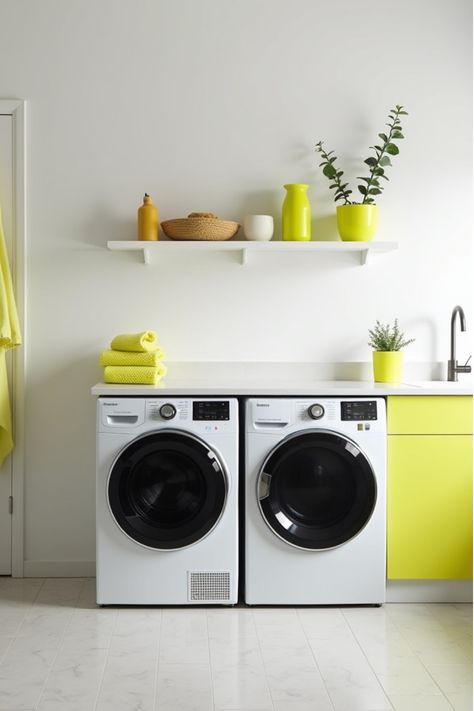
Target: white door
[{"x": 6, "y": 202}]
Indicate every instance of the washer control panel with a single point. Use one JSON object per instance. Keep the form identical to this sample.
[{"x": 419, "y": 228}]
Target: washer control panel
[
  {"x": 211, "y": 410},
  {"x": 359, "y": 410}
]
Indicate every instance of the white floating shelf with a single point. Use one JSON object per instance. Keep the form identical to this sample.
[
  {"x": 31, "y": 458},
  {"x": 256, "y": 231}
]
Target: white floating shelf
[{"x": 162, "y": 247}]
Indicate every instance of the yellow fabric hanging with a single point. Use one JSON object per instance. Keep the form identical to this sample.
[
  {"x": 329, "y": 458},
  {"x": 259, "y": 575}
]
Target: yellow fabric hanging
[{"x": 10, "y": 336}]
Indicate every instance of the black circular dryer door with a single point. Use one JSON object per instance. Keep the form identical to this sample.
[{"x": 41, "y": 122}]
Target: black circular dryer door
[
  {"x": 316, "y": 490},
  {"x": 167, "y": 490}
]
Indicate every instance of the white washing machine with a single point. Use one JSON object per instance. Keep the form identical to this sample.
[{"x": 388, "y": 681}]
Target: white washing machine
[
  {"x": 315, "y": 485},
  {"x": 167, "y": 493}
]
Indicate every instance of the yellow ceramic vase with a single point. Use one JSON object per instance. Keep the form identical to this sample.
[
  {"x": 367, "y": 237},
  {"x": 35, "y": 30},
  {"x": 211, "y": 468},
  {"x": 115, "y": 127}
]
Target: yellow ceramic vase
[
  {"x": 296, "y": 214},
  {"x": 147, "y": 220},
  {"x": 357, "y": 223},
  {"x": 388, "y": 366}
]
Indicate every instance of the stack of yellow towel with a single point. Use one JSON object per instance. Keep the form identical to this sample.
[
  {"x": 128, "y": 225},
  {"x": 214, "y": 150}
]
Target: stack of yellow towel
[{"x": 134, "y": 358}]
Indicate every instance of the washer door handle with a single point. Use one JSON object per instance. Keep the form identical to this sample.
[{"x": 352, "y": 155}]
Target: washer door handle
[{"x": 264, "y": 483}]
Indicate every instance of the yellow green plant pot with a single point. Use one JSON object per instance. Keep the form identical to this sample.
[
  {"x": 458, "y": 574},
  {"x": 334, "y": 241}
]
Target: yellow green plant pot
[
  {"x": 357, "y": 223},
  {"x": 388, "y": 366}
]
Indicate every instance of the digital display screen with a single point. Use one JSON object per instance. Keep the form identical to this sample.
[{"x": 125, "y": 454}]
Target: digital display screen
[
  {"x": 365, "y": 410},
  {"x": 214, "y": 410}
]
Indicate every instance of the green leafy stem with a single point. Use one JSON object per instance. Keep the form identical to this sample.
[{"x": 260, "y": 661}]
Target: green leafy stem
[
  {"x": 387, "y": 338},
  {"x": 376, "y": 164}
]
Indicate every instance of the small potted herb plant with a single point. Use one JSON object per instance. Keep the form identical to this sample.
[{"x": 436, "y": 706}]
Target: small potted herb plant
[
  {"x": 387, "y": 342},
  {"x": 357, "y": 221}
]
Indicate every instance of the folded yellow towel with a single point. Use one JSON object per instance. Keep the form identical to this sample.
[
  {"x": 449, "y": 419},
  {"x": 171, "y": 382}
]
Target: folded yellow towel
[
  {"x": 134, "y": 375},
  {"x": 144, "y": 341},
  {"x": 152, "y": 358}
]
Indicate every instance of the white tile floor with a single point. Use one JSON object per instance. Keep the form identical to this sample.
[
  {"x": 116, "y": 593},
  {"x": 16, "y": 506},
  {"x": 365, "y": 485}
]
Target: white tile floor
[{"x": 58, "y": 651}]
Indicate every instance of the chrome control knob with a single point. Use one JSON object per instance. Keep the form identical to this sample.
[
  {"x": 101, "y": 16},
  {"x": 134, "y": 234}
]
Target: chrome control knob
[
  {"x": 316, "y": 412},
  {"x": 167, "y": 411}
]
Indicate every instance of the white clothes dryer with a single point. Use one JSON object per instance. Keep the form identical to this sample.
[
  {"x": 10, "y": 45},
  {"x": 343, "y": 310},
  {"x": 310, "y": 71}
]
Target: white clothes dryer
[
  {"x": 167, "y": 493},
  {"x": 315, "y": 485}
]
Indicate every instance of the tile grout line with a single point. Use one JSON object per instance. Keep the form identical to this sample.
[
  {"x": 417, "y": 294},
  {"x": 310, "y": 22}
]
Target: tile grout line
[
  {"x": 262, "y": 658},
  {"x": 316, "y": 662},
  {"x": 367, "y": 659},
  {"x": 420, "y": 660},
  {"x": 157, "y": 663},
  {"x": 210, "y": 663},
  {"x": 20, "y": 624},
  {"x": 61, "y": 640},
  {"x": 101, "y": 683}
]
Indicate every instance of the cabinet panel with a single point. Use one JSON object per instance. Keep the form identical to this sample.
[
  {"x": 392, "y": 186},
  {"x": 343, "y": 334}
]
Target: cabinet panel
[
  {"x": 429, "y": 414},
  {"x": 429, "y": 516}
]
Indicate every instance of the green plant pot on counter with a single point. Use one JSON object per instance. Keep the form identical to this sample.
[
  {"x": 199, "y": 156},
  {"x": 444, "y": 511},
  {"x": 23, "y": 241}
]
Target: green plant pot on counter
[
  {"x": 357, "y": 223},
  {"x": 387, "y": 342}
]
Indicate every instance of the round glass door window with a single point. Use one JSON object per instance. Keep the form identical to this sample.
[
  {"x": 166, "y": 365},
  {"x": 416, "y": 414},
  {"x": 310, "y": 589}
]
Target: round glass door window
[
  {"x": 167, "y": 490},
  {"x": 316, "y": 490}
]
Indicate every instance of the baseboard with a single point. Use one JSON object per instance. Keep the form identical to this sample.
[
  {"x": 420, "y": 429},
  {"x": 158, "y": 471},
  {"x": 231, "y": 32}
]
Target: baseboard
[
  {"x": 59, "y": 569},
  {"x": 429, "y": 591}
]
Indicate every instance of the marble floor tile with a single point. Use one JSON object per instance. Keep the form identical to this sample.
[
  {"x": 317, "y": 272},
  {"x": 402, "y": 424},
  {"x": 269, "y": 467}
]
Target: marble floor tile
[
  {"x": 407, "y": 676},
  {"x": 23, "y": 675},
  {"x": 452, "y": 678},
  {"x": 348, "y": 676},
  {"x": 461, "y": 701},
  {"x": 235, "y": 651},
  {"x": 424, "y": 637},
  {"x": 89, "y": 629},
  {"x": 59, "y": 650},
  {"x": 129, "y": 680},
  {"x": 11, "y": 621},
  {"x": 184, "y": 687},
  {"x": 241, "y": 688},
  {"x": 5, "y": 643},
  {"x": 184, "y": 638},
  {"x": 74, "y": 681},
  {"x": 275, "y": 616},
  {"x": 231, "y": 624},
  {"x": 420, "y": 702},
  {"x": 300, "y": 706},
  {"x": 296, "y": 685},
  {"x": 281, "y": 659}
]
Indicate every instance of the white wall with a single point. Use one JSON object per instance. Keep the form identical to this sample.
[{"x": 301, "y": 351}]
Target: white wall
[{"x": 213, "y": 105}]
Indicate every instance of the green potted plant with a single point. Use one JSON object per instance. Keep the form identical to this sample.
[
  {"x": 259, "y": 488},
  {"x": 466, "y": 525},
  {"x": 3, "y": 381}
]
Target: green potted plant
[
  {"x": 387, "y": 342},
  {"x": 357, "y": 221}
]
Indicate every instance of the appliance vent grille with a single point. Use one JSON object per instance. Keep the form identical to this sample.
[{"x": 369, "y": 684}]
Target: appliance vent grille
[{"x": 208, "y": 586}]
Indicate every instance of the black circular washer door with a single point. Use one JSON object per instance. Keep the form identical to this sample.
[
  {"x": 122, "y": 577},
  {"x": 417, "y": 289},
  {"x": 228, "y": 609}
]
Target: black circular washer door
[
  {"x": 316, "y": 490},
  {"x": 167, "y": 490}
]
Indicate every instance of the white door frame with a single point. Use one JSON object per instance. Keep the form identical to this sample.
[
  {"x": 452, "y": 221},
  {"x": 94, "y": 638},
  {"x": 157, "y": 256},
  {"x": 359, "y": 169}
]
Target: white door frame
[{"x": 16, "y": 108}]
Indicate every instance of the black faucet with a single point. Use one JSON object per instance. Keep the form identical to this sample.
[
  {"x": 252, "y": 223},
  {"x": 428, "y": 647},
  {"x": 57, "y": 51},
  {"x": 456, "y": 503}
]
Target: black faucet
[{"x": 453, "y": 367}]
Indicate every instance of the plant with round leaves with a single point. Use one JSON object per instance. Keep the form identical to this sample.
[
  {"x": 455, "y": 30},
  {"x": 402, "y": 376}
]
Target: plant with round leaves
[
  {"x": 371, "y": 184},
  {"x": 387, "y": 338}
]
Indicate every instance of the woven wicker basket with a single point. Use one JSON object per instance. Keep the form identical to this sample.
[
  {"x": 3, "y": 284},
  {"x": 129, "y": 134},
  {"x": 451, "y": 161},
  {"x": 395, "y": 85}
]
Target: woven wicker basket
[{"x": 200, "y": 228}]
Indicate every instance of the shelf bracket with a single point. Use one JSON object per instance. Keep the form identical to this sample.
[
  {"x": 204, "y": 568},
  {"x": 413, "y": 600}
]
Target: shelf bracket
[
  {"x": 146, "y": 256},
  {"x": 244, "y": 257},
  {"x": 364, "y": 257}
]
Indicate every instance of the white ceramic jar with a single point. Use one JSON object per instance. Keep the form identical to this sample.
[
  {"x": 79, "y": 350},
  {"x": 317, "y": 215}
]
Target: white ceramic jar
[{"x": 258, "y": 227}]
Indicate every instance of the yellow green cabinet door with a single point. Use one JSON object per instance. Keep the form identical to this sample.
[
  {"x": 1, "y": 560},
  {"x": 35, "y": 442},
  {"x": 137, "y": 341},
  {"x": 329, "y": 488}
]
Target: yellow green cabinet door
[{"x": 429, "y": 515}]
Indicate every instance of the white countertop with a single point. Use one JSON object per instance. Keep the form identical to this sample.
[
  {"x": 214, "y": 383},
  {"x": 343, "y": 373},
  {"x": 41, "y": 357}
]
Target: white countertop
[
  {"x": 337, "y": 388},
  {"x": 203, "y": 378}
]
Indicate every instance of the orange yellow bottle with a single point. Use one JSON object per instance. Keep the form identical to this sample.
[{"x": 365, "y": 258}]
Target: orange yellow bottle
[{"x": 147, "y": 220}]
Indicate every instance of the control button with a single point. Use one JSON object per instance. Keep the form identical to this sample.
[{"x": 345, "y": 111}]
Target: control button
[
  {"x": 167, "y": 411},
  {"x": 316, "y": 411}
]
